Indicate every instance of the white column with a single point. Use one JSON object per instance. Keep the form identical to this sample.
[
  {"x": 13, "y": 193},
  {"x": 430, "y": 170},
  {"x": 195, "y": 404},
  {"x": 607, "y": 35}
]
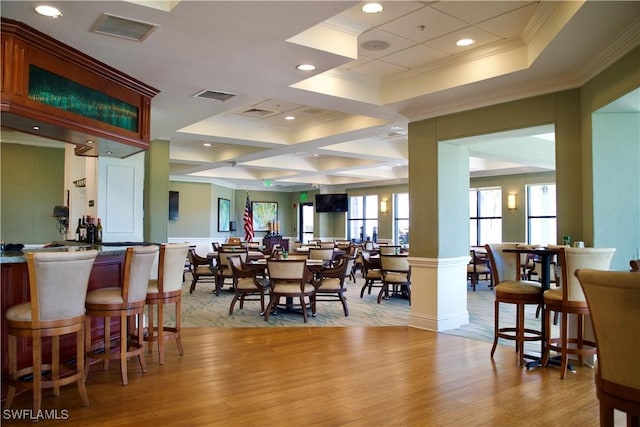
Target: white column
[{"x": 438, "y": 293}]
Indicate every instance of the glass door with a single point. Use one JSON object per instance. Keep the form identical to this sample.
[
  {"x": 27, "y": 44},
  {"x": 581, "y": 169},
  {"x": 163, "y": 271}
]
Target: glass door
[{"x": 306, "y": 222}]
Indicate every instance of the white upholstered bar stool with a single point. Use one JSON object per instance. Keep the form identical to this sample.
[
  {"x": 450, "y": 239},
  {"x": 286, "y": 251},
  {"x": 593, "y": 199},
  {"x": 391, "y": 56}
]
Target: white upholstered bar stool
[
  {"x": 166, "y": 289},
  {"x": 124, "y": 302},
  {"x": 510, "y": 289},
  {"x": 58, "y": 284},
  {"x": 568, "y": 299}
]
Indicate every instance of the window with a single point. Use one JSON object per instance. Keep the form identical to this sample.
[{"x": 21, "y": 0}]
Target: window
[
  {"x": 541, "y": 214},
  {"x": 401, "y": 219},
  {"x": 485, "y": 216},
  {"x": 363, "y": 218}
]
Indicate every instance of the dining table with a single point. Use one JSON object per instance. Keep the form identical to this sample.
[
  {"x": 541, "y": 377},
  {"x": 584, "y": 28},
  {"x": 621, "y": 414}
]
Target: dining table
[{"x": 545, "y": 255}]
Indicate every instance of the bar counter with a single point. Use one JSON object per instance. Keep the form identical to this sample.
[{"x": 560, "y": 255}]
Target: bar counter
[{"x": 14, "y": 283}]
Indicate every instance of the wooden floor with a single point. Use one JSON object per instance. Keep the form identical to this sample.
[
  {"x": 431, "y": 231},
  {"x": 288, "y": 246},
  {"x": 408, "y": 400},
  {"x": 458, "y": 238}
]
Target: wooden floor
[{"x": 375, "y": 376}]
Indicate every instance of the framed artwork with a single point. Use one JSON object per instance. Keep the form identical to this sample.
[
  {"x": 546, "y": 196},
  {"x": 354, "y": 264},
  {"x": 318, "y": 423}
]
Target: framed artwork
[
  {"x": 224, "y": 207},
  {"x": 263, "y": 214}
]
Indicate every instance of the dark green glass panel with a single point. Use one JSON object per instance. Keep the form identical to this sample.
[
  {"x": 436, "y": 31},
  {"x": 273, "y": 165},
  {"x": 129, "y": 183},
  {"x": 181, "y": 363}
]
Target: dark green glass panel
[{"x": 57, "y": 91}]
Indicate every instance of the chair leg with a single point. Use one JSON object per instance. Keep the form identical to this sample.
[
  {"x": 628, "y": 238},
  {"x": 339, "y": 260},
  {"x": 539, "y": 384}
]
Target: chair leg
[
  {"x": 139, "y": 340},
  {"x": 564, "y": 334},
  {"x": 547, "y": 339},
  {"x": 55, "y": 364},
  {"x": 233, "y": 303},
  {"x": 496, "y": 314},
  {"x": 344, "y": 304},
  {"x": 520, "y": 332},
  {"x": 107, "y": 341},
  {"x": 37, "y": 371},
  {"x": 160, "y": 332},
  {"x": 304, "y": 309},
  {"x": 12, "y": 342},
  {"x": 80, "y": 355},
  {"x": 179, "y": 326},
  {"x": 151, "y": 333},
  {"x": 123, "y": 348}
]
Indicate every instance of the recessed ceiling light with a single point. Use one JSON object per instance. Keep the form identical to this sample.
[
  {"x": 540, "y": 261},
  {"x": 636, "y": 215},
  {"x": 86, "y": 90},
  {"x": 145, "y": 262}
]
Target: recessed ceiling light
[
  {"x": 48, "y": 11},
  {"x": 315, "y": 155},
  {"x": 109, "y": 153},
  {"x": 35, "y": 127},
  {"x": 465, "y": 42},
  {"x": 289, "y": 118},
  {"x": 306, "y": 67},
  {"x": 89, "y": 141},
  {"x": 206, "y": 144},
  {"x": 372, "y": 8}
]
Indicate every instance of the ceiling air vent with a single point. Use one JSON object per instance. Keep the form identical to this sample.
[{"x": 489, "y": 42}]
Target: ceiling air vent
[
  {"x": 214, "y": 94},
  {"x": 124, "y": 28},
  {"x": 259, "y": 112}
]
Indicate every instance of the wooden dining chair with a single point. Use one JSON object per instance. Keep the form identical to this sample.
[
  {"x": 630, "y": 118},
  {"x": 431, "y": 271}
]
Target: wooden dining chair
[
  {"x": 125, "y": 302},
  {"x": 290, "y": 279},
  {"x": 324, "y": 254},
  {"x": 330, "y": 283},
  {"x": 166, "y": 289},
  {"x": 371, "y": 272},
  {"x": 200, "y": 268},
  {"x": 58, "y": 284},
  {"x": 396, "y": 276},
  {"x": 223, "y": 270},
  {"x": 613, "y": 298},
  {"x": 635, "y": 265},
  {"x": 247, "y": 286}
]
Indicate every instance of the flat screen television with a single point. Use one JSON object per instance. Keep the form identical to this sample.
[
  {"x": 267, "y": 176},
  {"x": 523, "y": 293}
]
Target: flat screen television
[
  {"x": 332, "y": 202},
  {"x": 173, "y": 205}
]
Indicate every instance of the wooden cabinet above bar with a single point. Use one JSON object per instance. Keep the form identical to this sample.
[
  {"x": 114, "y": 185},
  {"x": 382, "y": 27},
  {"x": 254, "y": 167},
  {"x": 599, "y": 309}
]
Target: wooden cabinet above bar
[{"x": 71, "y": 96}]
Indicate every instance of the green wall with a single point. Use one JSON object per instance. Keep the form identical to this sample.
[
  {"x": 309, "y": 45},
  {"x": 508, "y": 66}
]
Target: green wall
[{"x": 32, "y": 183}]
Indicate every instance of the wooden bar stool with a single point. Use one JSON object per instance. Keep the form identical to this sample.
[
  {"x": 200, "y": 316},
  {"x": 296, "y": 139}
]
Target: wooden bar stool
[
  {"x": 568, "y": 299},
  {"x": 510, "y": 289},
  {"x": 58, "y": 284},
  {"x": 126, "y": 301},
  {"x": 166, "y": 289}
]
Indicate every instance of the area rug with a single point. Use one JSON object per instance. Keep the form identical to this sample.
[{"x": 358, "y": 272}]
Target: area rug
[{"x": 205, "y": 309}]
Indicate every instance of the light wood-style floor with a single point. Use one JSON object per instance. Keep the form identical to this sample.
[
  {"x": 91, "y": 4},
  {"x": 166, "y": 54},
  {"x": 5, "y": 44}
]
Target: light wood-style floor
[{"x": 374, "y": 376}]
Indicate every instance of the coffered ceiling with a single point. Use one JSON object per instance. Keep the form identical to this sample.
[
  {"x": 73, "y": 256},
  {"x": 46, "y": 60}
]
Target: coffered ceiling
[{"x": 374, "y": 74}]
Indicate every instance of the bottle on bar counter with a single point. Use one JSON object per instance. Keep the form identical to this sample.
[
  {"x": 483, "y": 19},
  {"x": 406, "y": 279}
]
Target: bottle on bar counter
[
  {"x": 91, "y": 230},
  {"x": 83, "y": 229},
  {"x": 78, "y": 230},
  {"x": 99, "y": 232}
]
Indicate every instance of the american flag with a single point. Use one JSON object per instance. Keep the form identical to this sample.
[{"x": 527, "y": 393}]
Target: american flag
[{"x": 248, "y": 221}]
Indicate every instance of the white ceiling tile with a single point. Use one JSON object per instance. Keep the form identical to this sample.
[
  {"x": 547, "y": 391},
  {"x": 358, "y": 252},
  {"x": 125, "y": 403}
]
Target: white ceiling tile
[
  {"x": 392, "y": 10},
  {"x": 378, "y": 69},
  {"x": 423, "y": 25},
  {"x": 395, "y": 43},
  {"x": 414, "y": 56},
  {"x": 510, "y": 24},
  {"x": 447, "y": 43},
  {"x": 474, "y": 11}
]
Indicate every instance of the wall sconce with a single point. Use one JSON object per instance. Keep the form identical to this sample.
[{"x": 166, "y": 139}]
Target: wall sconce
[
  {"x": 512, "y": 202},
  {"x": 383, "y": 206}
]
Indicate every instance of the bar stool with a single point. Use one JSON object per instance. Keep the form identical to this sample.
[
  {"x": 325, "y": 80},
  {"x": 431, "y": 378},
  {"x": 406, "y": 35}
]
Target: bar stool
[
  {"x": 126, "y": 301},
  {"x": 569, "y": 299},
  {"x": 513, "y": 291},
  {"x": 58, "y": 284},
  {"x": 166, "y": 289}
]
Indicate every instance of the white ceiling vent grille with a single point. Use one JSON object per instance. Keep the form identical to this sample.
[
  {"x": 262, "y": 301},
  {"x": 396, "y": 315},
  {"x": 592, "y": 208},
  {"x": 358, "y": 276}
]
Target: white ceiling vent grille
[
  {"x": 124, "y": 28},
  {"x": 214, "y": 94},
  {"x": 259, "y": 113}
]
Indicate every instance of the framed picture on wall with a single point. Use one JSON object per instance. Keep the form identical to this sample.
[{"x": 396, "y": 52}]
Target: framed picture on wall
[
  {"x": 263, "y": 214},
  {"x": 224, "y": 209}
]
